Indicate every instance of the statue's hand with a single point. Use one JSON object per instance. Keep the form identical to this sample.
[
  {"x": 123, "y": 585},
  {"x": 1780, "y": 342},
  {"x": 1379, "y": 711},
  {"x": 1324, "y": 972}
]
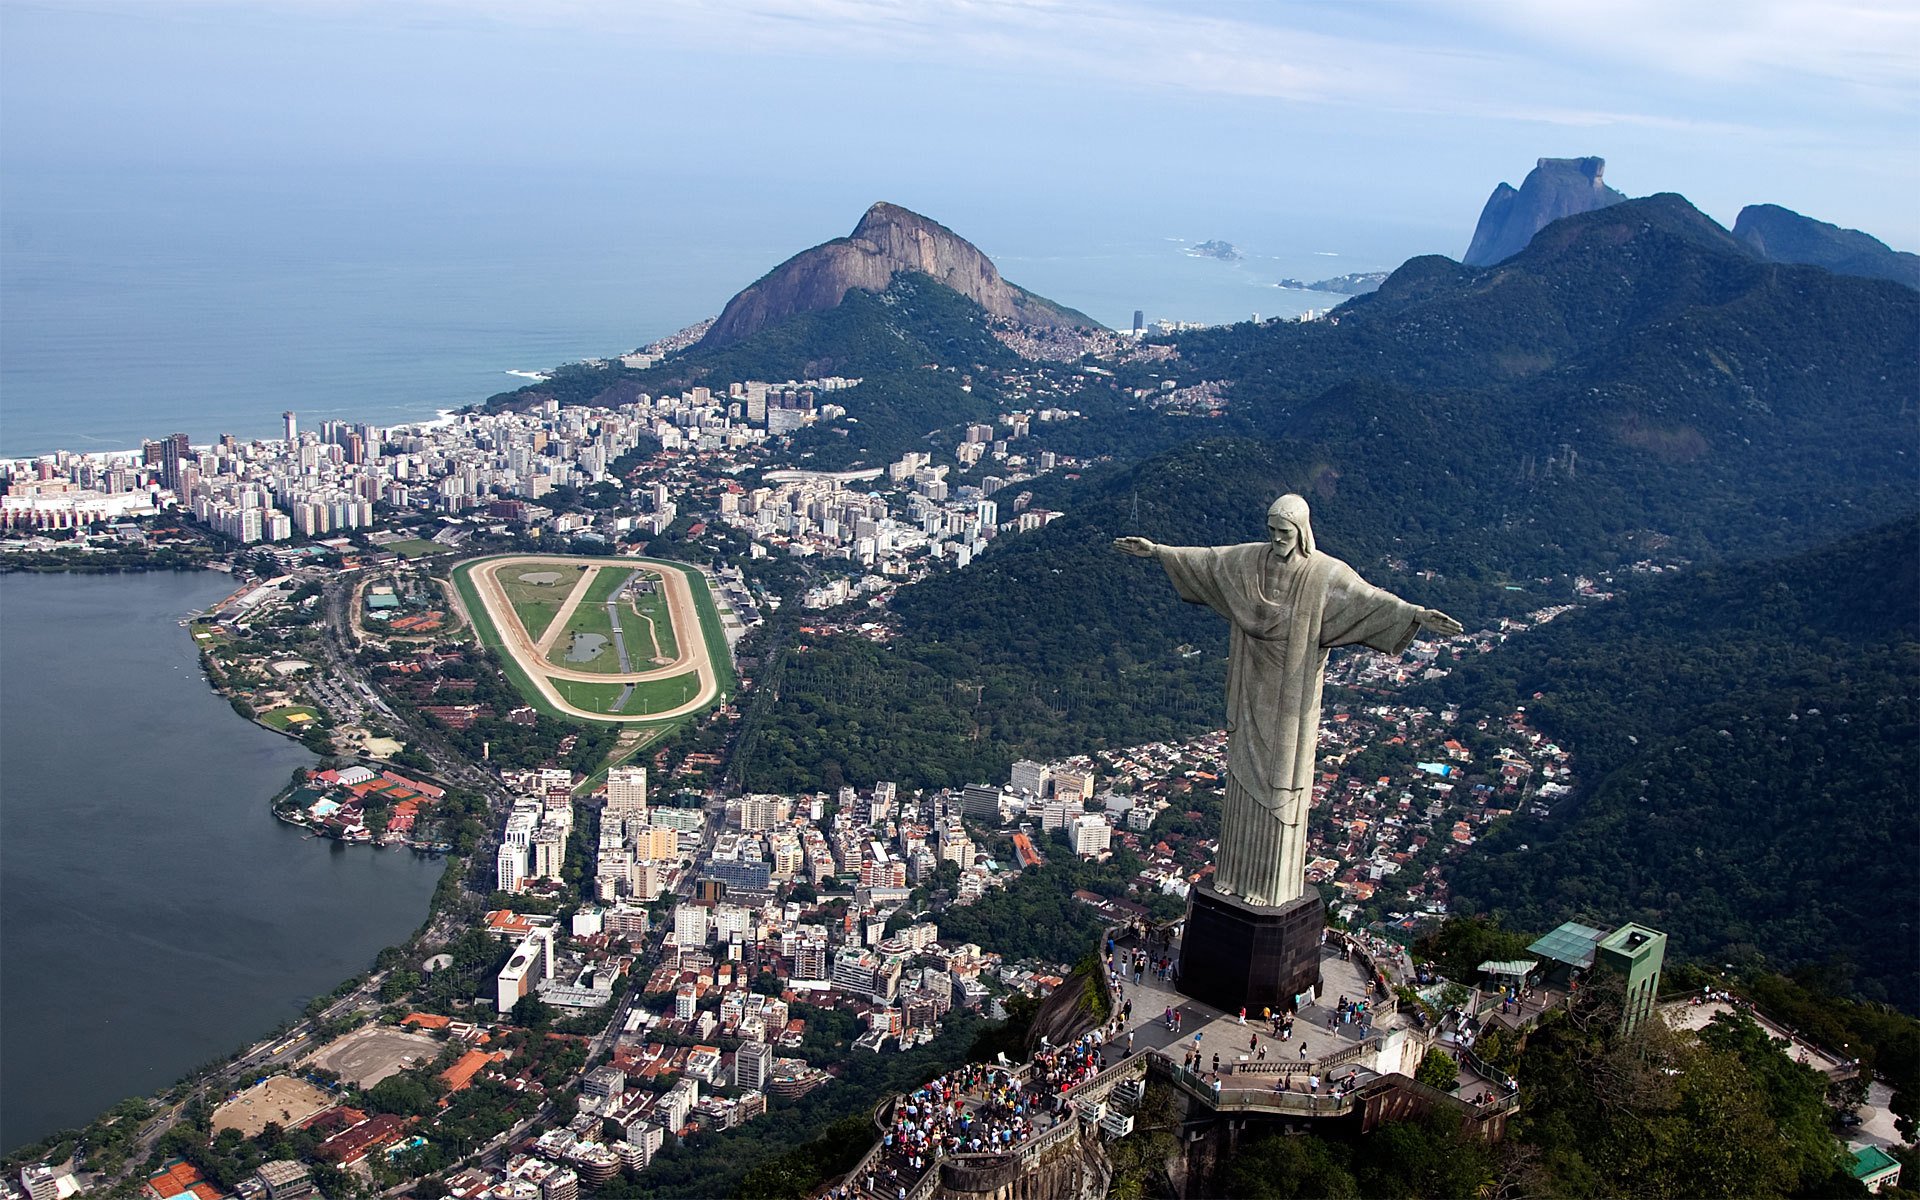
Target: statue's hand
[
  {"x": 1440, "y": 622},
  {"x": 1139, "y": 547}
]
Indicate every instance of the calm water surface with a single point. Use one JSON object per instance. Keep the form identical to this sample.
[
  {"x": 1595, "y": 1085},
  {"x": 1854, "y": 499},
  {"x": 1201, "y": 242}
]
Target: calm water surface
[
  {"x": 153, "y": 915},
  {"x": 141, "y": 303}
]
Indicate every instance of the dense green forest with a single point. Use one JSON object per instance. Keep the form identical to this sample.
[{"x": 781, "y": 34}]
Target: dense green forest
[
  {"x": 1744, "y": 736},
  {"x": 1645, "y": 1113},
  {"x": 1634, "y": 386}
]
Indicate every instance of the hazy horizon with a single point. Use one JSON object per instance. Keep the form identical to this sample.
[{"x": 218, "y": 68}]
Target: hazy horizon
[{"x": 214, "y": 209}]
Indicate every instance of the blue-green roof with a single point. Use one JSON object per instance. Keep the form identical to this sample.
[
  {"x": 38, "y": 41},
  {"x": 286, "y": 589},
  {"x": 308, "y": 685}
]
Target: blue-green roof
[
  {"x": 1572, "y": 944},
  {"x": 1869, "y": 1161}
]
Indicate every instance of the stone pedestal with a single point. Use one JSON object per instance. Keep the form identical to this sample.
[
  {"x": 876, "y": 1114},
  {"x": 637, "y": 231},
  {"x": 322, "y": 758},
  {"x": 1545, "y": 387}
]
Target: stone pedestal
[{"x": 1234, "y": 954}]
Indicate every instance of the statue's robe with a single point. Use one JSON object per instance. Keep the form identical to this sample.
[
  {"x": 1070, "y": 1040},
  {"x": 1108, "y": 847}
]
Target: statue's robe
[{"x": 1286, "y": 614}]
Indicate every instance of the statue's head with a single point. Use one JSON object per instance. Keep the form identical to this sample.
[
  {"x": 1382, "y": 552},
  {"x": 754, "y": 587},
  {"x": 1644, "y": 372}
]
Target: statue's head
[{"x": 1289, "y": 527}]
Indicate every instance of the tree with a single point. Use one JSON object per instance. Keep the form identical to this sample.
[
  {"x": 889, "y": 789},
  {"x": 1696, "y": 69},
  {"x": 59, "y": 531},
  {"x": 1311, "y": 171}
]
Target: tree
[
  {"x": 1284, "y": 1167},
  {"x": 531, "y": 1012},
  {"x": 1437, "y": 1069},
  {"x": 405, "y": 1094}
]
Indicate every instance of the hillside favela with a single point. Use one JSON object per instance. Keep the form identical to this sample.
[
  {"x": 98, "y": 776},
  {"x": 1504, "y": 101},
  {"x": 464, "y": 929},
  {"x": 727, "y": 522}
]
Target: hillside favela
[{"x": 569, "y": 631}]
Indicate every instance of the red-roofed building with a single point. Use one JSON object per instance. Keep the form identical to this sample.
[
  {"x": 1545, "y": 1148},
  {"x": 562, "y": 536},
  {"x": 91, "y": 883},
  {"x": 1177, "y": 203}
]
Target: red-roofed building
[
  {"x": 460, "y": 1075},
  {"x": 351, "y": 1145}
]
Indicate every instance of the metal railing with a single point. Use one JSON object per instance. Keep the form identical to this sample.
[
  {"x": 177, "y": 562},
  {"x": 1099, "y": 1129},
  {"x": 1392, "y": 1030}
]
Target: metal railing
[{"x": 1244, "y": 1099}]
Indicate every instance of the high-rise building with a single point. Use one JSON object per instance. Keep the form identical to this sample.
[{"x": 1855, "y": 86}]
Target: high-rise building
[
  {"x": 627, "y": 793},
  {"x": 510, "y": 868},
  {"x": 690, "y": 924},
  {"x": 174, "y": 453},
  {"x": 1091, "y": 835},
  {"x": 532, "y": 962},
  {"x": 753, "y": 1065},
  {"x": 1139, "y": 321},
  {"x": 1031, "y": 777},
  {"x": 292, "y": 426},
  {"x": 549, "y": 852}
]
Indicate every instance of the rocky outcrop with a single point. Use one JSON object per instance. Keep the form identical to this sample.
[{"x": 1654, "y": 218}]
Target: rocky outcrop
[
  {"x": 1555, "y": 188},
  {"x": 1784, "y": 236},
  {"x": 889, "y": 240}
]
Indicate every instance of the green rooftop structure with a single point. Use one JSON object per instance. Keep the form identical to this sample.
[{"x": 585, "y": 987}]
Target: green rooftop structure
[
  {"x": 1636, "y": 953},
  {"x": 1571, "y": 945},
  {"x": 1875, "y": 1168}
]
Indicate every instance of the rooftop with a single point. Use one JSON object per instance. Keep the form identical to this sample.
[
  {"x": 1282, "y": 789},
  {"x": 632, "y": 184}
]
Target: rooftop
[{"x": 1572, "y": 944}]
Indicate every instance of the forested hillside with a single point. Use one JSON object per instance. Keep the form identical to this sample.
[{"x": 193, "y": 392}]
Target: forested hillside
[
  {"x": 1634, "y": 382},
  {"x": 1745, "y": 737}
]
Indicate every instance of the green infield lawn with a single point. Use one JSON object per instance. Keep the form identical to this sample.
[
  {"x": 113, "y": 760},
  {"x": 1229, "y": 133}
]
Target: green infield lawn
[
  {"x": 537, "y": 591},
  {"x": 288, "y": 717},
  {"x": 589, "y": 620},
  {"x": 652, "y": 696},
  {"x": 650, "y": 632}
]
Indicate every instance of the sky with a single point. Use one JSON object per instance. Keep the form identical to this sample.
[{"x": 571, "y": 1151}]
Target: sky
[{"x": 1038, "y": 111}]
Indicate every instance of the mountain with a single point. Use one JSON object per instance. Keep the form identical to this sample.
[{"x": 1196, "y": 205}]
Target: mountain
[
  {"x": 1744, "y": 739},
  {"x": 1633, "y": 379},
  {"x": 1555, "y": 188},
  {"x": 888, "y": 241},
  {"x": 1782, "y": 235}
]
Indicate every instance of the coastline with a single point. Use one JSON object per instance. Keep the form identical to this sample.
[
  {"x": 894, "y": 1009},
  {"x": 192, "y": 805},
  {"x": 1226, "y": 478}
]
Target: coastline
[{"x": 318, "y": 889}]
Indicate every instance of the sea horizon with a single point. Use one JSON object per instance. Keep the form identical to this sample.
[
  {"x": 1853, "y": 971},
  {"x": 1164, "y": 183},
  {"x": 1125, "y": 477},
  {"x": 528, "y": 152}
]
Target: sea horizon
[{"x": 209, "y": 304}]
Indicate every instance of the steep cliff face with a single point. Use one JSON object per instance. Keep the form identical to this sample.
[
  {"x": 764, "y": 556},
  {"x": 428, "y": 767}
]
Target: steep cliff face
[
  {"x": 888, "y": 240},
  {"x": 1782, "y": 235},
  {"x": 1555, "y": 188}
]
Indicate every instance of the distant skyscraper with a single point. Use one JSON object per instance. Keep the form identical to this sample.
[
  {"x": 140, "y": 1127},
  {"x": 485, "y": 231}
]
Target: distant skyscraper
[
  {"x": 293, "y": 427},
  {"x": 173, "y": 456},
  {"x": 1139, "y": 324}
]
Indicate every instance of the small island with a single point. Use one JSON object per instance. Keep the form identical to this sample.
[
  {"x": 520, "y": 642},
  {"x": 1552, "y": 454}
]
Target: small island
[
  {"x": 1224, "y": 251},
  {"x": 1358, "y": 283}
]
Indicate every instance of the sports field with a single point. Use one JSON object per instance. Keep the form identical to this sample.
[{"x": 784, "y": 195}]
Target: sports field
[
  {"x": 616, "y": 640},
  {"x": 291, "y": 716},
  {"x": 417, "y": 548}
]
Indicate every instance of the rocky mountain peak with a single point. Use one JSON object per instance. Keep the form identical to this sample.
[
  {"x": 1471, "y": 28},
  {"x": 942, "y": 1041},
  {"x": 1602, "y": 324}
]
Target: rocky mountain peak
[
  {"x": 888, "y": 240},
  {"x": 1555, "y": 188}
]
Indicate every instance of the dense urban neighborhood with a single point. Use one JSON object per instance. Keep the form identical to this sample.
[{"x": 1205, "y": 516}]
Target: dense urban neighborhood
[{"x": 632, "y": 961}]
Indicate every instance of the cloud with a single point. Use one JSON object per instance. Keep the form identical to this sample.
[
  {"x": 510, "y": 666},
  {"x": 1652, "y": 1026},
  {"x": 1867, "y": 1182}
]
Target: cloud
[
  {"x": 1577, "y": 64},
  {"x": 1857, "y": 45}
]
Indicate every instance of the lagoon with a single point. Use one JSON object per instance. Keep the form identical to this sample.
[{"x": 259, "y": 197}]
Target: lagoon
[{"x": 153, "y": 914}]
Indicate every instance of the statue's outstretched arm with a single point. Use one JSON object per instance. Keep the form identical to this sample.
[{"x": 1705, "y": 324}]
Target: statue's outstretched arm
[
  {"x": 1439, "y": 622},
  {"x": 1139, "y": 547}
]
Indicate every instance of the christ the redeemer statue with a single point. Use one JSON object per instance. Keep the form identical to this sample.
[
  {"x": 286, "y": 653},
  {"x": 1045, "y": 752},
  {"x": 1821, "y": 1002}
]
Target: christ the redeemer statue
[{"x": 1288, "y": 603}]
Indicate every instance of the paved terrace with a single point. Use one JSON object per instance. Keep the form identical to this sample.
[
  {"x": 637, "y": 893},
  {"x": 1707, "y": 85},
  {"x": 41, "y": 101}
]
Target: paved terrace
[
  {"x": 984, "y": 1115},
  {"x": 1694, "y": 1014},
  {"x": 1319, "y": 1044}
]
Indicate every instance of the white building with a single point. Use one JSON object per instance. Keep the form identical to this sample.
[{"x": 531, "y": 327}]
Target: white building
[
  {"x": 510, "y": 868},
  {"x": 1091, "y": 835},
  {"x": 690, "y": 925},
  {"x": 532, "y": 962}
]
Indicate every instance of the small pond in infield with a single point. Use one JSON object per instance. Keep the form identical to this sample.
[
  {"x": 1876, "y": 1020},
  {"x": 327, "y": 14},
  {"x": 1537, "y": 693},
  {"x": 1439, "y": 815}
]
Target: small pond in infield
[{"x": 586, "y": 647}]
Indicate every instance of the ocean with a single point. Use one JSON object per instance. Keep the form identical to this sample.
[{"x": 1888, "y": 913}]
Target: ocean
[{"x": 141, "y": 303}]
